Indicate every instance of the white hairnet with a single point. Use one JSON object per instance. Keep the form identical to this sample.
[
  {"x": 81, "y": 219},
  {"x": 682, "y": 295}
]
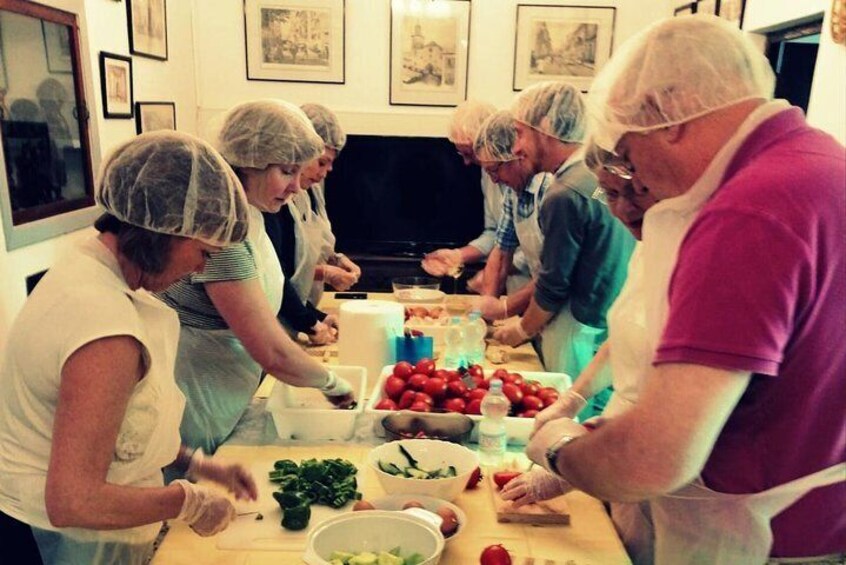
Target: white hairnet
[
  {"x": 267, "y": 132},
  {"x": 174, "y": 183},
  {"x": 674, "y": 71},
  {"x": 554, "y": 108},
  {"x": 496, "y": 137},
  {"x": 596, "y": 157},
  {"x": 326, "y": 125},
  {"x": 467, "y": 119}
]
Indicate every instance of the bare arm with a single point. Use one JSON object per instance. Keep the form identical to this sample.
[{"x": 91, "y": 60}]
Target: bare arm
[
  {"x": 592, "y": 378},
  {"x": 496, "y": 271},
  {"x": 470, "y": 254},
  {"x": 247, "y": 313},
  {"x": 519, "y": 301},
  {"x": 535, "y": 318},
  {"x": 663, "y": 442},
  {"x": 97, "y": 382}
]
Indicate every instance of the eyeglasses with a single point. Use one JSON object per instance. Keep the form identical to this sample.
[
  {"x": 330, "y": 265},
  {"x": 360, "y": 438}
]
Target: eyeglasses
[
  {"x": 493, "y": 167},
  {"x": 622, "y": 169}
]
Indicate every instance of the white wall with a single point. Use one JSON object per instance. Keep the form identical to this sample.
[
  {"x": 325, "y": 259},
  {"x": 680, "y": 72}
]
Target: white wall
[
  {"x": 362, "y": 102},
  {"x": 103, "y": 27}
]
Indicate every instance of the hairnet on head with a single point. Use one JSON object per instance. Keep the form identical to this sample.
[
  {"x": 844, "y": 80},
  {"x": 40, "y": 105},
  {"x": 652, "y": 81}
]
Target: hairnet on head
[
  {"x": 596, "y": 157},
  {"x": 174, "y": 183},
  {"x": 467, "y": 119},
  {"x": 553, "y": 108},
  {"x": 496, "y": 137},
  {"x": 674, "y": 71},
  {"x": 326, "y": 125},
  {"x": 267, "y": 132}
]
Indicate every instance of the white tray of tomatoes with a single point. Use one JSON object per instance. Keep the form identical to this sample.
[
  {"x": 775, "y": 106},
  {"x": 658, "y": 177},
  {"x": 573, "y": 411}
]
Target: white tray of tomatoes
[{"x": 425, "y": 388}]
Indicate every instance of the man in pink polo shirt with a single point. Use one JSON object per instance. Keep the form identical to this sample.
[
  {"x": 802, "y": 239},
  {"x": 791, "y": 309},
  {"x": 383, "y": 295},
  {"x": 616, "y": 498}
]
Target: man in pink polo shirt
[{"x": 739, "y": 436}]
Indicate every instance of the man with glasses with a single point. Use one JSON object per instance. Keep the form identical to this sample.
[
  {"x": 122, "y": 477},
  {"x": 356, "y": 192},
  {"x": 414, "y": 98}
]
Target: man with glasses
[
  {"x": 737, "y": 437},
  {"x": 585, "y": 250}
]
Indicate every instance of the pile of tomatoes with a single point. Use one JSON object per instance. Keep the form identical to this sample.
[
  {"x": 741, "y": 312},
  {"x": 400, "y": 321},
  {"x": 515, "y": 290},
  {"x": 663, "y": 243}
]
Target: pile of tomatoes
[{"x": 422, "y": 388}]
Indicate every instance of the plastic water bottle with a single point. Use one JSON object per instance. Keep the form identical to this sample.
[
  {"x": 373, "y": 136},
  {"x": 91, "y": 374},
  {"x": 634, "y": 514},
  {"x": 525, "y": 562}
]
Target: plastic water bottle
[
  {"x": 454, "y": 341},
  {"x": 474, "y": 338},
  {"x": 492, "y": 436}
]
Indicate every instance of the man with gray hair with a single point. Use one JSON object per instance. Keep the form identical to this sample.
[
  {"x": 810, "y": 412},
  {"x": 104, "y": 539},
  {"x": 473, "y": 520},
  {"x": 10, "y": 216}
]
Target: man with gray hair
[
  {"x": 738, "y": 435},
  {"x": 585, "y": 250}
]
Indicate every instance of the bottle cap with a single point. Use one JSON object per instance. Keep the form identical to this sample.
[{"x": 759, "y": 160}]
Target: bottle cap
[
  {"x": 455, "y": 320},
  {"x": 474, "y": 315},
  {"x": 496, "y": 384}
]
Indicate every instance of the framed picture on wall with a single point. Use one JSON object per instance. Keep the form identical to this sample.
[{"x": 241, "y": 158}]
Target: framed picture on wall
[
  {"x": 58, "y": 48},
  {"x": 685, "y": 9},
  {"x": 116, "y": 85},
  {"x": 152, "y": 116},
  {"x": 707, "y": 7},
  {"x": 291, "y": 40},
  {"x": 147, "y": 28},
  {"x": 731, "y": 10},
  {"x": 429, "y": 48},
  {"x": 569, "y": 43}
]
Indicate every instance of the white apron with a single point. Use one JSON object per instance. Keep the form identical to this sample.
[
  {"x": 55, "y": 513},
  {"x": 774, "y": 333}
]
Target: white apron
[
  {"x": 148, "y": 440},
  {"x": 696, "y": 524},
  {"x": 531, "y": 241},
  {"x": 327, "y": 248},
  {"x": 214, "y": 370},
  {"x": 308, "y": 243}
]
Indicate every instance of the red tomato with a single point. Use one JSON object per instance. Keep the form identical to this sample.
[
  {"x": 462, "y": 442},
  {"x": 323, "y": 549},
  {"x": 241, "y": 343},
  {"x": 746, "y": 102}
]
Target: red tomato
[
  {"x": 386, "y": 404},
  {"x": 394, "y": 387},
  {"x": 455, "y": 405},
  {"x": 474, "y": 479},
  {"x": 420, "y": 407},
  {"x": 531, "y": 388},
  {"x": 485, "y": 384},
  {"x": 406, "y": 400},
  {"x": 417, "y": 381},
  {"x": 500, "y": 374},
  {"x": 501, "y": 478},
  {"x": 517, "y": 379},
  {"x": 423, "y": 397},
  {"x": 477, "y": 394},
  {"x": 456, "y": 388},
  {"x": 474, "y": 407},
  {"x": 436, "y": 388},
  {"x": 513, "y": 393},
  {"x": 453, "y": 376},
  {"x": 528, "y": 414},
  {"x": 425, "y": 366},
  {"x": 494, "y": 555},
  {"x": 548, "y": 395},
  {"x": 476, "y": 370},
  {"x": 532, "y": 403},
  {"x": 403, "y": 370}
]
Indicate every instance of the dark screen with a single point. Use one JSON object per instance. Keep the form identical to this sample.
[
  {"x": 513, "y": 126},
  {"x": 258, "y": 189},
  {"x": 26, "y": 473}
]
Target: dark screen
[{"x": 402, "y": 196}]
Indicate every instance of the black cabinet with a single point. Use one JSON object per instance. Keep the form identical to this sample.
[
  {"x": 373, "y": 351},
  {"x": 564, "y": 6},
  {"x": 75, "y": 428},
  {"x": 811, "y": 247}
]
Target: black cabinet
[{"x": 377, "y": 272}]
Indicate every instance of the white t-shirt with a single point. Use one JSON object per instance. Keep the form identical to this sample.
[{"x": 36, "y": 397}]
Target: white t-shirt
[{"x": 84, "y": 297}]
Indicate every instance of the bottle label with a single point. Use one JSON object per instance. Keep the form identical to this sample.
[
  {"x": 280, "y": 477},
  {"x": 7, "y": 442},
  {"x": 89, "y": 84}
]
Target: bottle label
[{"x": 492, "y": 442}]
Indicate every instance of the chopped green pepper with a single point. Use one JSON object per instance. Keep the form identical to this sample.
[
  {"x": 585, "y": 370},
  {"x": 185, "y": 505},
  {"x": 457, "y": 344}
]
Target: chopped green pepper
[{"x": 296, "y": 517}]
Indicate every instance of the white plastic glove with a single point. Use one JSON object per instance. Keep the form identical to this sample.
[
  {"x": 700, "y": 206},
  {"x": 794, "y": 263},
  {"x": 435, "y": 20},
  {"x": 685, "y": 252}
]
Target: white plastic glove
[
  {"x": 348, "y": 265},
  {"x": 323, "y": 334},
  {"x": 338, "y": 278},
  {"x": 512, "y": 334},
  {"x": 492, "y": 308},
  {"x": 567, "y": 406},
  {"x": 440, "y": 262},
  {"x": 235, "y": 477},
  {"x": 206, "y": 511},
  {"x": 533, "y": 486},
  {"x": 550, "y": 433},
  {"x": 339, "y": 392}
]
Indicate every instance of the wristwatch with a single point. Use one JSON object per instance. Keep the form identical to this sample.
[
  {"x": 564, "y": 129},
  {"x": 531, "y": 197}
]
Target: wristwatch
[{"x": 552, "y": 453}]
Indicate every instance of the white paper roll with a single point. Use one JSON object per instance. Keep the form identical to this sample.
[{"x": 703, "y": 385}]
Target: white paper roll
[{"x": 366, "y": 335}]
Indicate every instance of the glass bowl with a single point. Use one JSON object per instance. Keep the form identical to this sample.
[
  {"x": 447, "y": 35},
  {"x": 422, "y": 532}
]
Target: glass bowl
[
  {"x": 417, "y": 289},
  {"x": 447, "y": 426}
]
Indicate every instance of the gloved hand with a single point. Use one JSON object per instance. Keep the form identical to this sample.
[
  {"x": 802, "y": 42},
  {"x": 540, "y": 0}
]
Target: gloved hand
[
  {"x": 491, "y": 307},
  {"x": 347, "y": 264},
  {"x": 550, "y": 433},
  {"x": 338, "y": 278},
  {"x": 476, "y": 282},
  {"x": 440, "y": 262},
  {"x": 323, "y": 334},
  {"x": 206, "y": 511},
  {"x": 235, "y": 477},
  {"x": 533, "y": 486},
  {"x": 567, "y": 406},
  {"x": 512, "y": 334},
  {"x": 339, "y": 392}
]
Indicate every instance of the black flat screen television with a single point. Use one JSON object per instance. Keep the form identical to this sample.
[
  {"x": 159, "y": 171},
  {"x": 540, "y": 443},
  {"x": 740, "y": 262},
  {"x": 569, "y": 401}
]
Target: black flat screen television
[{"x": 402, "y": 196}]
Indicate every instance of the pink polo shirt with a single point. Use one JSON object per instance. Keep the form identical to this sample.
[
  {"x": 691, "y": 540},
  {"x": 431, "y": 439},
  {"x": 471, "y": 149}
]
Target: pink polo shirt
[{"x": 760, "y": 286}]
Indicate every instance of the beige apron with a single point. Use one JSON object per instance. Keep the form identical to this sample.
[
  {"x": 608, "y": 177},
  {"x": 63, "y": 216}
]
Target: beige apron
[{"x": 308, "y": 242}]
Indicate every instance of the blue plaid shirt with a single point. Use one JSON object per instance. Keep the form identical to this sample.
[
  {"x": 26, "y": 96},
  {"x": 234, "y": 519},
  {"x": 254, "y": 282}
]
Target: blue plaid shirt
[{"x": 506, "y": 234}]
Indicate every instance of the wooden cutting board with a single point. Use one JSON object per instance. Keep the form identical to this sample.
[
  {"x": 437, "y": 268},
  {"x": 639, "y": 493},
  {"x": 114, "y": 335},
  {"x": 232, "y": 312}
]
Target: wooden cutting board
[{"x": 552, "y": 511}]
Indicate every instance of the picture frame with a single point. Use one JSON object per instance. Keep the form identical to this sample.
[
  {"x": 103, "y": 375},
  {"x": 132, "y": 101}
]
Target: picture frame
[
  {"x": 430, "y": 45},
  {"x": 147, "y": 20},
  {"x": 732, "y": 10},
  {"x": 685, "y": 9},
  {"x": 295, "y": 41},
  {"x": 708, "y": 7},
  {"x": 4, "y": 79},
  {"x": 569, "y": 43},
  {"x": 116, "y": 85},
  {"x": 58, "y": 48},
  {"x": 152, "y": 116}
]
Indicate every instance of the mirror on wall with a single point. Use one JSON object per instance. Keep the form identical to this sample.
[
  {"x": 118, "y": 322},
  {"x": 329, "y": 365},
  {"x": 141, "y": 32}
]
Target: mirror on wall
[{"x": 46, "y": 159}]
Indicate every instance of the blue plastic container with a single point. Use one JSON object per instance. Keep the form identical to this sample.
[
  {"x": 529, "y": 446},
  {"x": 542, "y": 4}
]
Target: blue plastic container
[{"x": 414, "y": 348}]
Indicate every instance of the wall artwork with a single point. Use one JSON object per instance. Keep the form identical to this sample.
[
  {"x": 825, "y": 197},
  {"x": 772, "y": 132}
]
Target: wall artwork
[
  {"x": 116, "y": 85},
  {"x": 685, "y": 9},
  {"x": 147, "y": 28},
  {"x": 152, "y": 116},
  {"x": 295, "y": 41},
  {"x": 707, "y": 7},
  {"x": 58, "y": 47},
  {"x": 429, "y": 48},
  {"x": 731, "y": 10},
  {"x": 569, "y": 43}
]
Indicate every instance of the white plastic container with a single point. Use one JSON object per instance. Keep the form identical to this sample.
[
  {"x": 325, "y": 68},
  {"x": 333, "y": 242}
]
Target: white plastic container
[
  {"x": 305, "y": 414},
  {"x": 517, "y": 429}
]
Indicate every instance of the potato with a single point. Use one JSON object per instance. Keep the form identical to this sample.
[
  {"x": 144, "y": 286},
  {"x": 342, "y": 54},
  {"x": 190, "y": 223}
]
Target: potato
[
  {"x": 450, "y": 521},
  {"x": 412, "y": 504},
  {"x": 362, "y": 505}
]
